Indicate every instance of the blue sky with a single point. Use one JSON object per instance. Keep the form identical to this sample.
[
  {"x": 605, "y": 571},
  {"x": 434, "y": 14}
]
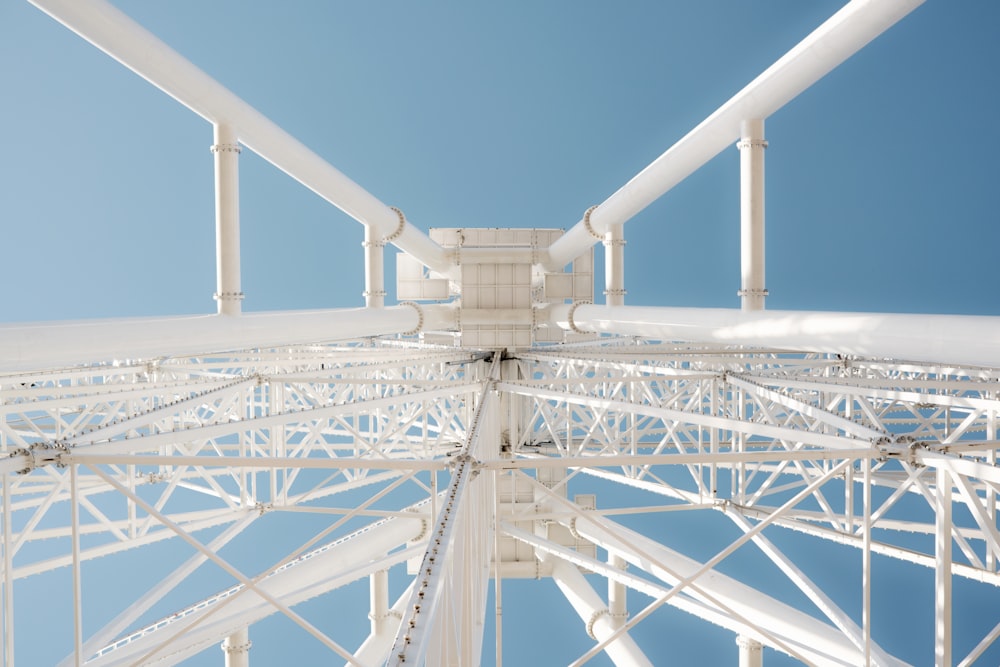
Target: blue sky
[{"x": 881, "y": 179}]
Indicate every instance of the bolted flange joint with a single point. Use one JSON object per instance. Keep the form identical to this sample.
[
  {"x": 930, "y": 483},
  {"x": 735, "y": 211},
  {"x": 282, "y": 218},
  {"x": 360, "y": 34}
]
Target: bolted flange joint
[
  {"x": 593, "y": 620},
  {"x": 236, "y": 649},
  {"x": 41, "y": 454}
]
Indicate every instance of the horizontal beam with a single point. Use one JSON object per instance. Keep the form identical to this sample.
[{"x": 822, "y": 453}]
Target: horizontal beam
[
  {"x": 969, "y": 467},
  {"x": 840, "y": 37},
  {"x": 754, "y": 456},
  {"x": 47, "y": 345},
  {"x": 668, "y": 415},
  {"x": 950, "y": 339},
  {"x": 113, "y": 32}
]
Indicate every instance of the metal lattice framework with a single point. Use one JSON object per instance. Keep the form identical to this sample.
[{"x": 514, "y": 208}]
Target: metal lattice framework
[{"x": 437, "y": 471}]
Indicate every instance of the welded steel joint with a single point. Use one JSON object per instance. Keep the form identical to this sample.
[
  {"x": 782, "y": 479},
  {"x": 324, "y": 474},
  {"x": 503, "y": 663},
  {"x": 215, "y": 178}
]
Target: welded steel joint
[{"x": 40, "y": 454}]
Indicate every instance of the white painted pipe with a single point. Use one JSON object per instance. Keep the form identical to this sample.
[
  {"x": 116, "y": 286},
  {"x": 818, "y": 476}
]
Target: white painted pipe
[
  {"x": 957, "y": 339},
  {"x": 226, "y": 151},
  {"x": 47, "y": 345},
  {"x": 374, "y": 269},
  {"x": 817, "y": 641},
  {"x": 237, "y": 648},
  {"x": 752, "y": 146},
  {"x": 378, "y": 595},
  {"x": 617, "y": 593},
  {"x": 591, "y": 609},
  {"x": 751, "y": 652},
  {"x": 374, "y": 651},
  {"x": 842, "y": 35},
  {"x": 614, "y": 265},
  {"x": 325, "y": 569},
  {"x": 113, "y": 32}
]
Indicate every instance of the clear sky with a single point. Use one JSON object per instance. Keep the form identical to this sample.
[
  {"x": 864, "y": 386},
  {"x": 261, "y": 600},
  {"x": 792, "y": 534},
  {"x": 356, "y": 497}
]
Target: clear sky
[{"x": 881, "y": 179}]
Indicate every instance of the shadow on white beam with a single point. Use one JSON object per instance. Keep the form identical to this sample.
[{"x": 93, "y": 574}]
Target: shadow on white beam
[{"x": 941, "y": 339}]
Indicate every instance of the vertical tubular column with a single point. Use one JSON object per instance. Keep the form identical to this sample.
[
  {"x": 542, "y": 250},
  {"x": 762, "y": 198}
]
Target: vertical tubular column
[
  {"x": 751, "y": 652},
  {"x": 374, "y": 268},
  {"x": 866, "y": 560},
  {"x": 237, "y": 648},
  {"x": 227, "y": 220},
  {"x": 498, "y": 563},
  {"x": 942, "y": 570},
  {"x": 614, "y": 265},
  {"x": 991, "y": 496},
  {"x": 74, "y": 510},
  {"x": 616, "y": 593},
  {"x": 378, "y": 595},
  {"x": 751, "y": 147},
  {"x": 8, "y": 576}
]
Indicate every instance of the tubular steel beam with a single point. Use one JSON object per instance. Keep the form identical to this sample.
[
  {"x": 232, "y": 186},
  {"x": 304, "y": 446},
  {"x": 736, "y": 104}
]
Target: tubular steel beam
[
  {"x": 113, "y": 32},
  {"x": 592, "y": 611},
  {"x": 226, "y": 153},
  {"x": 955, "y": 339},
  {"x": 752, "y": 145},
  {"x": 840, "y": 37},
  {"x": 36, "y": 346},
  {"x": 942, "y": 569}
]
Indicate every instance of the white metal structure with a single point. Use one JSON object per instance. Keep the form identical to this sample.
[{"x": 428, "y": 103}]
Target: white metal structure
[{"x": 502, "y": 428}]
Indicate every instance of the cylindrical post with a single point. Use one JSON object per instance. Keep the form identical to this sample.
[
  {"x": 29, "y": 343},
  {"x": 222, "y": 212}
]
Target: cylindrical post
[
  {"x": 237, "y": 648},
  {"x": 374, "y": 268},
  {"x": 8, "y": 575},
  {"x": 751, "y": 146},
  {"x": 74, "y": 510},
  {"x": 942, "y": 570},
  {"x": 227, "y": 220},
  {"x": 751, "y": 652},
  {"x": 614, "y": 265},
  {"x": 616, "y": 593},
  {"x": 378, "y": 595}
]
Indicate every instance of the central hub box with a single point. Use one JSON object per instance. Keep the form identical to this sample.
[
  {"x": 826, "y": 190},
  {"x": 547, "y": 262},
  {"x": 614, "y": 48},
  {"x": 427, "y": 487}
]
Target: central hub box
[{"x": 498, "y": 284}]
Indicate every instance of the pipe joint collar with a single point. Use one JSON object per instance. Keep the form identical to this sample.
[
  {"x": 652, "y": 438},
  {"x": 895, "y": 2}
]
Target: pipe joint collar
[
  {"x": 593, "y": 621},
  {"x": 569, "y": 316},
  {"x": 226, "y": 148},
  {"x": 588, "y": 226},
  {"x": 420, "y": 318},
  {"x": 751, "y": 143},
  {"x": 399, "y": 230}
]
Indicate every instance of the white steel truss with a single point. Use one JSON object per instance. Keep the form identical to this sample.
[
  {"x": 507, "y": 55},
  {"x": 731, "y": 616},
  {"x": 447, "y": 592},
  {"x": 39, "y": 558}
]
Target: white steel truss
[
  {"x": 296, "y": 457},
  {"x": 459, "y": 464}
]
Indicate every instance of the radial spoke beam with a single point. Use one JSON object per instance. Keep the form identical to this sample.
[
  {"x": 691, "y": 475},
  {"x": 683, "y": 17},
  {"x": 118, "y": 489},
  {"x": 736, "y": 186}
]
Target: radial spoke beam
[
  {"x": 955, "y": 339},
  {"x": 126, "y": 41},
  {"x": 837, "y": 39},
  {"x": 32, "y": 346},
  {"x": 623, "y": 651},
  {"x": 442, "y": 623}
]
